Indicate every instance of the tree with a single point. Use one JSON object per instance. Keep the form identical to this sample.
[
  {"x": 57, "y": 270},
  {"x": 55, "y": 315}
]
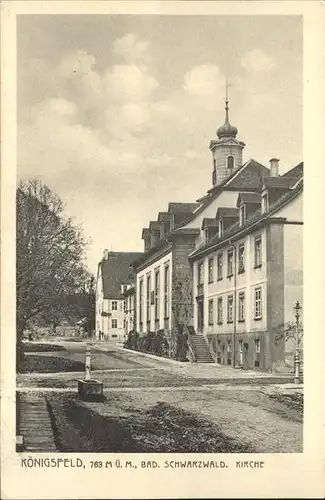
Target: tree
[
  {"x": 288, "y": 332},
  {"x": 182, "y": 309},
  {"x": 50, "y": 251}
]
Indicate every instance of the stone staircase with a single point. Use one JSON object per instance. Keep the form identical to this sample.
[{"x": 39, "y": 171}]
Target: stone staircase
[{"x": 201, "y": 349}]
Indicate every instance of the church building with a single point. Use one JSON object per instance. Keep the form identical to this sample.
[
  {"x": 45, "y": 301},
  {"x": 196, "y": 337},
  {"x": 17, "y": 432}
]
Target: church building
[{"x": 227, "y": 267}]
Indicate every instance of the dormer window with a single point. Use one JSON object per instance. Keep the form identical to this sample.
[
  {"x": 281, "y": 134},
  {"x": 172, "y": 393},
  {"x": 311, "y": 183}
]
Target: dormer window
[
  {"x": 230, "y": 162},
  {"x": 220, "y": 228},
  {"x": 206, "y": 235},
  {"x": 265, "y": 203},
  {"x": 242, "y": 214}
]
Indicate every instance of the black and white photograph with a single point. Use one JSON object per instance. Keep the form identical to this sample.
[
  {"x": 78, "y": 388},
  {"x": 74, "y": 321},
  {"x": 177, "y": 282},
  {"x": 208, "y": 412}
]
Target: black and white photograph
[
  {"x": 159, "y": 234},
  {"x": 159, "y": 244}
]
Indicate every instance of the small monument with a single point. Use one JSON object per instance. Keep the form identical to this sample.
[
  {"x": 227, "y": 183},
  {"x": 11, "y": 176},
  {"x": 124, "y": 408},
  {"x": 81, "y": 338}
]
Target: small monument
[{"x": 90, "y": 389}]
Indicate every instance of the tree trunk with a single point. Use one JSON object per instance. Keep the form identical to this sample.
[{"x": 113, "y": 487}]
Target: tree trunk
[{"x": 20, "y": 327}]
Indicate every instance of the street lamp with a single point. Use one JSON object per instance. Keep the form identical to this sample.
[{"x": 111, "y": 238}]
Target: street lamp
[{"x": 297, "y": 308}]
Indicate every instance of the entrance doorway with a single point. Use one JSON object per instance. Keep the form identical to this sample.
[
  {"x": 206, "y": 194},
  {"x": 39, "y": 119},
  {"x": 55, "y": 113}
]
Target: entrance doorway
[{"x": 245, "y": 356}]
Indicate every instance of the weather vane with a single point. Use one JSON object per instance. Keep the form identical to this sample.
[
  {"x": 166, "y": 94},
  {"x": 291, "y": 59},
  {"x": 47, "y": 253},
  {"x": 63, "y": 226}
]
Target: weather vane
[{"x": 227, "y": 86}]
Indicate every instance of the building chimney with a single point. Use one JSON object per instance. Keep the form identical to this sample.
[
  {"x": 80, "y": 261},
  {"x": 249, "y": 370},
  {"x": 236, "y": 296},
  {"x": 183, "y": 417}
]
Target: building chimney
[
  {"x": 105, "y": 254},
  {"x": 274, "y": 166}
]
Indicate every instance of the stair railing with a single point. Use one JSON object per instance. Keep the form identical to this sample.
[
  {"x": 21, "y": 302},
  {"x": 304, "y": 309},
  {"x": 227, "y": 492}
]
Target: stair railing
[
  {"x": 191, "y": 352},
  {"x": 213, "y": 354}
]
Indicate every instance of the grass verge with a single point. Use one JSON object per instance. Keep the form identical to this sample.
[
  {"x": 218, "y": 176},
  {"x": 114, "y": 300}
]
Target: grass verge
[{"x": 163, "y": 428}]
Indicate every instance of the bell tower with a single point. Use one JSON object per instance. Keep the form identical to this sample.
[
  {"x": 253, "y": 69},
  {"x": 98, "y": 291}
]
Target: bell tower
[{"x": 227, "y": 150}]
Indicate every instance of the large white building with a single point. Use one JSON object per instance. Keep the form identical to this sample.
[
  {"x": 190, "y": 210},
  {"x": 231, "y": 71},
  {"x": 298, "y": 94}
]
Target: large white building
[
  {"x": 178, "y": 280},
  {"x": 114, "y": 277},
  {"x": 248, "y": 275},
  {"x": 164, "y": 297}
]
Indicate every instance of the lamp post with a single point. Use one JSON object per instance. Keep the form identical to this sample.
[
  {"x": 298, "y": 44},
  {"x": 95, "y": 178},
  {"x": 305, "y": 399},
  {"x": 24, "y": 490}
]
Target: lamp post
[{"x": 297, "y": 308}]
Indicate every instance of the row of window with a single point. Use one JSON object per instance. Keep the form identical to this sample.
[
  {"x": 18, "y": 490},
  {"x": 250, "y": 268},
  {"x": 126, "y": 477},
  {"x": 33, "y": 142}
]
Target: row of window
[
  {"x": 228, "y": 346},
  {"x": 152, "y": 296},
  {"x": 230, "y": 262},
  {"x": 129, "y": 303},
  {"x": 149, "y": 327},
  {"x": 230, "y": 307},
  {"x": 114, "y": 305}
]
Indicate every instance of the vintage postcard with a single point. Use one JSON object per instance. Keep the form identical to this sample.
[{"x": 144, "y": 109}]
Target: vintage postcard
[{"x": 162, "y": 274}]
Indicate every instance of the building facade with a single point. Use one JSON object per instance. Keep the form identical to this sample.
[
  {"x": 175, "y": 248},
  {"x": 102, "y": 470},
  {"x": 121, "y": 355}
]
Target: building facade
[
  {"x": 164, "y": 282},
  {"x": 229, "y": 265},
  {"x": 164, "y": 274},
  {"x": 248, "y": 276},
  {"x": 114, "y": 278},
  {"x": 129, "y": 310}
]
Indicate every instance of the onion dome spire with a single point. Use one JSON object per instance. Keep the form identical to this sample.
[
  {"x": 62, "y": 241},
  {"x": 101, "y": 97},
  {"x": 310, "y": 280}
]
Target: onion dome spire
[{"x": 227, "y": 130}]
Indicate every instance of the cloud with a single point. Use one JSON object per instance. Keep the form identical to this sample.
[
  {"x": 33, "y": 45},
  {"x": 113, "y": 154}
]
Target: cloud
[
  {"x": 97, "y": 133},
  {"x": 191, "y": 154},
  {"x": 132, "y": 118},
  {"x": 126, "y": 83},
  {"x": 258, "y": 61},
  {"x": 204, "y": 80},
  {"x": 130, "y": 48}
]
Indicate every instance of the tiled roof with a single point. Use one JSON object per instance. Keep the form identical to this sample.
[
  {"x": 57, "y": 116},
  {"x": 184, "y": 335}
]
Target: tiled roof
[
  {"x": 295, "y": 172},
  {"x": 209, "y": 222},
  {"x": 180, "y": 217},
  {"x": 250, "y": 176},
  {"x": 130, "y": 291},
  {"x": 225, "y": 212},
  {"x": 145, "y": 232},
  {"x": 186, "y": 231},
  {"x": 154, "y": 225},
  {"x": 163, "y": 216},
  {"x": 248, "y": 198},
  {"x": 251, "y": 221},
  {"x": 175, "y": 207},
  {"x": 116, "y": 272},
  {"x": 161, "y": 245},
  {"x": 247, "y": 177},
  {"x": 279, "y": 182}
]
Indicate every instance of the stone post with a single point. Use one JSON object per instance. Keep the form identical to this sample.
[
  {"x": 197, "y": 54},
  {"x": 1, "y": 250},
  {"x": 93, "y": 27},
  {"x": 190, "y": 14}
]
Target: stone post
[
  {"x": 88, "y": 363},
  {"x": 90, "y": 389}
]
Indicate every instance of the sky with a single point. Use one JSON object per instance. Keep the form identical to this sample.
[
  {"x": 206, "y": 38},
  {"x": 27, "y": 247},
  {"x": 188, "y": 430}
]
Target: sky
[{"x": 116, "y": 112}]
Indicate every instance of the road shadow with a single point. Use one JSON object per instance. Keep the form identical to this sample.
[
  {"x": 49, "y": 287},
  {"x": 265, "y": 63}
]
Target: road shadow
[
  {"x": 49, "y": 364},
  {"x": 42, "y": 347}
]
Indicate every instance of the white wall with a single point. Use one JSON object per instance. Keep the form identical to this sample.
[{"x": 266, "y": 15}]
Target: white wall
[
  {"x": 293, "y": 269},
  {"x": 294, "y": 210},
  {"x": 150, "y": 270},
  {"x": 224, "y": 199},
  {"x": 293, "y": 256},
  {"x": 129, "y": 313},
  {"x": 104, "y": 323},
  {"x": 245, "y": 282}
]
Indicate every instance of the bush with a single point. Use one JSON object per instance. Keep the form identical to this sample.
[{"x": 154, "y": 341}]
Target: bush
[
  {"x": 132, "y": 341},
  {"x": 174, "y": 346}
]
